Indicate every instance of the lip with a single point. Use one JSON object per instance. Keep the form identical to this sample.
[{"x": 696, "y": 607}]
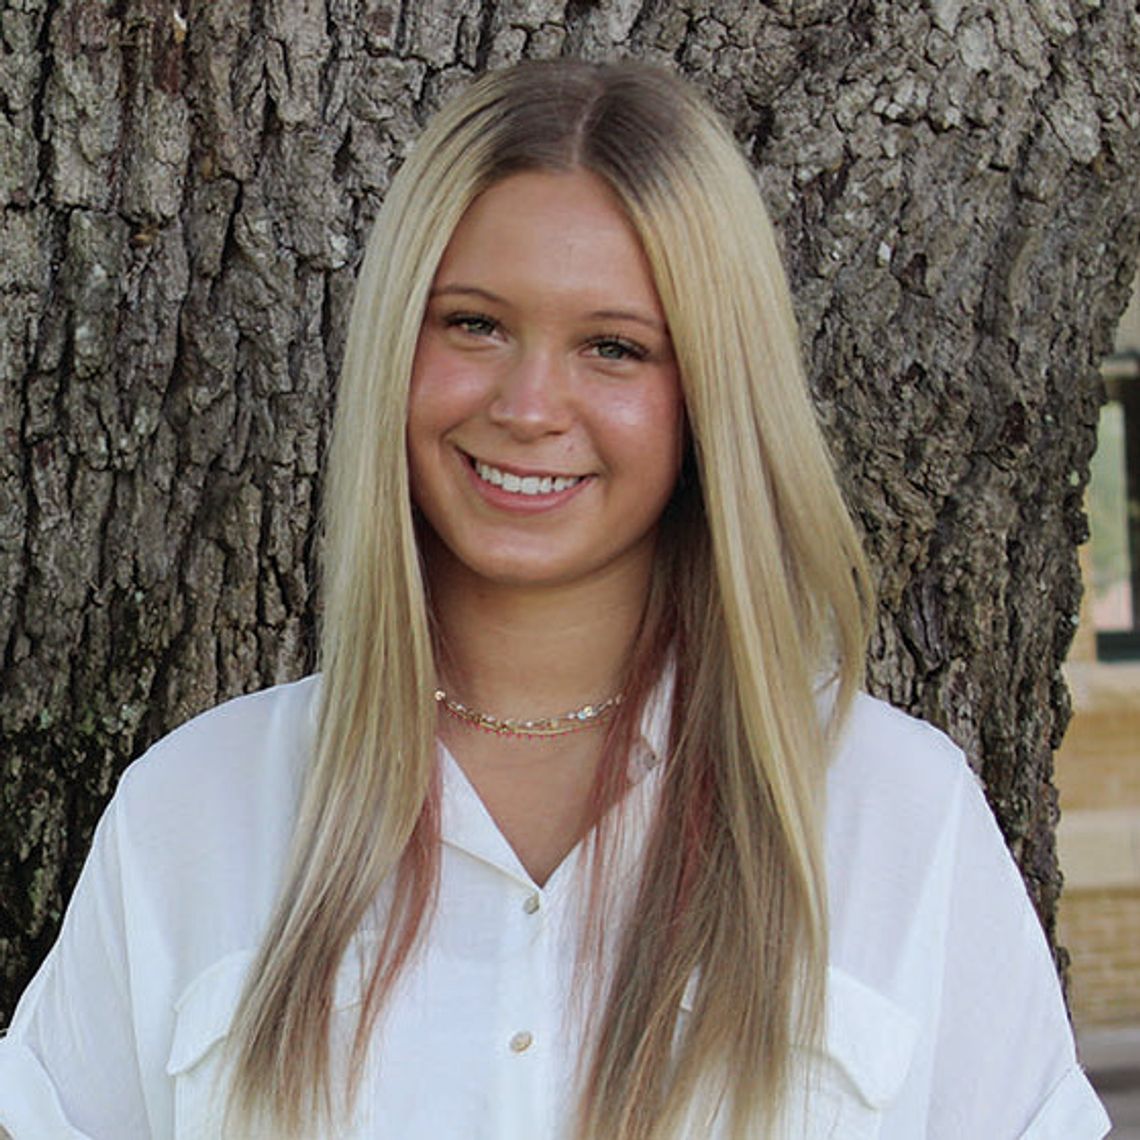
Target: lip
[{"x": 513, "y": 501}]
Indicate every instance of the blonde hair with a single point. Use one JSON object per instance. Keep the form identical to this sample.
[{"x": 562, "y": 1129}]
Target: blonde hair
[{"x": 760, "y": 593}]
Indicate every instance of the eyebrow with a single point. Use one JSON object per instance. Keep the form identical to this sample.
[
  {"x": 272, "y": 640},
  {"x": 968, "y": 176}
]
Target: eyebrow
[
  {"x": 461, "y": 290},
  {"x": 468, "y": 291}
]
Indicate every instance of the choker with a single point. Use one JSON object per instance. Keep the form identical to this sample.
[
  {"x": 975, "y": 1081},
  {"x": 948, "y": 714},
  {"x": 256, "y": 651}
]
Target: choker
[{"x": 542, "y": 726}]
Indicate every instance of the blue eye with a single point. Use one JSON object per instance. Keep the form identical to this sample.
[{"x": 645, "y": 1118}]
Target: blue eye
[
  {"x": 618, "y": 348},
  {"x": 474, "y": 323}
]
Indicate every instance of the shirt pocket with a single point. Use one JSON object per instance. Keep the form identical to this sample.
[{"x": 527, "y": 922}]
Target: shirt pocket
[
  {"x": 203, "y": 1015},
  {"x": 845, "y": 1091},
  {"x": 202, "y": 1018}
]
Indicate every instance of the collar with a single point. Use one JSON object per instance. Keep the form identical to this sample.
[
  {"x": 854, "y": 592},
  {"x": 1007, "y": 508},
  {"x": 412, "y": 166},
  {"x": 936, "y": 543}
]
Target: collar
[
  {"x": 466, "y": 824},
  {"x": 653, "y": 738}
]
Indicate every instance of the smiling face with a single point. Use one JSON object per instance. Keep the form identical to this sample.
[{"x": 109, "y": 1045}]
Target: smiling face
[{"x": 545, "y": 420}]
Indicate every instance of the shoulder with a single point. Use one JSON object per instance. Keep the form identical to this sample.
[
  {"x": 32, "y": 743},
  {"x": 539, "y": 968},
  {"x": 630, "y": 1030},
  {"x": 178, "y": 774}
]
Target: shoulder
[
  {"x": 247, "y": 741},
  {"x": 171, "y": 903},
  {"x": 928, "y": 911},
  {"x": 890, "y": 764},
  {"x": 202, "y": 822},
  {"x": 916, "y": 864},
  {"x": 896, "y": 792}
]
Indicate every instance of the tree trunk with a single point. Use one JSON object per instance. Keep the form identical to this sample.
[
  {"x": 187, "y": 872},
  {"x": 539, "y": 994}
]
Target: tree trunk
[{"x": 186, "y": 188}]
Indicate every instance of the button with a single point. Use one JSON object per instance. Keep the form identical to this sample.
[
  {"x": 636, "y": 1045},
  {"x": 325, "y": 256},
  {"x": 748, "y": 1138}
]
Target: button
[
  {"x": 521, "y": 1042},
  {"x": 531, "y": 904}
]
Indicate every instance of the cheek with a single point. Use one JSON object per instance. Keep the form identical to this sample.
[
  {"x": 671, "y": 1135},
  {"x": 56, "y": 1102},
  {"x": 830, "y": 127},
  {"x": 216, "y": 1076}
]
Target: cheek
[
  {"x": 654, "y": 432},
  {"x": 416, "y": 433},
  {"x": 426, "y": 388},
  {"x": 431, "y": 414},
  {"x": 444, "y": 392},
  {"x": 426, "y": 423}
]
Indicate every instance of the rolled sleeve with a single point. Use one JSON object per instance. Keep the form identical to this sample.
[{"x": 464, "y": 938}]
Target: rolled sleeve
[
  {"x": 69, "y": 1063},
  {"x": 29, "y": 1105},
  {"x": 1072, "y": 1110},
  {"x": 1006, "y": 1058}
]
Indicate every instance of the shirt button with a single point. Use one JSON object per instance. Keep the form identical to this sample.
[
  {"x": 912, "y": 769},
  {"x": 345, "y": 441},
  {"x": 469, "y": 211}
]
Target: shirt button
[
  {"x": 531, "y": 904},
  {"x": 521, "y": 1042}
]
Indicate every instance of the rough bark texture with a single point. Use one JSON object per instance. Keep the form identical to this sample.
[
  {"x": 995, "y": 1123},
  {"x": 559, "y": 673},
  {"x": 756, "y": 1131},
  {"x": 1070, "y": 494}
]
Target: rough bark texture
[{"x": 185, "y": 188}]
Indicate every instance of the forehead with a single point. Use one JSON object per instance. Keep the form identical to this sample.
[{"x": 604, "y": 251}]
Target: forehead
[{"x": 560, "y": 231}]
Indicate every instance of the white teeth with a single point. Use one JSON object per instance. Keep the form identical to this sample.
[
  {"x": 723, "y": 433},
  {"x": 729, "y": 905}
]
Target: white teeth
[{"x": 524, "y": 484}]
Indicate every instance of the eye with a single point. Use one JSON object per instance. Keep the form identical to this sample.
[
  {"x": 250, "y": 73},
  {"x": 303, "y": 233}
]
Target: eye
[
  {"x": 618, "y": 348},
  {"x": 476, "y": 324}
]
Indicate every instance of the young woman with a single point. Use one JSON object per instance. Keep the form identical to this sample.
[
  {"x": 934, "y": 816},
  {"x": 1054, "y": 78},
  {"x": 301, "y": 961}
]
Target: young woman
[{"x": 583, "y": 833}]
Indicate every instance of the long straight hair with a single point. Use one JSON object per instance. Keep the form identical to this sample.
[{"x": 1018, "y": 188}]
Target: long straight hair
[{"x": 760, "y": 595}]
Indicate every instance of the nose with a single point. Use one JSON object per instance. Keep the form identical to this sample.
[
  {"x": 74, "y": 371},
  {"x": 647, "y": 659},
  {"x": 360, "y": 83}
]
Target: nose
[{"x": 532, "y": 396}]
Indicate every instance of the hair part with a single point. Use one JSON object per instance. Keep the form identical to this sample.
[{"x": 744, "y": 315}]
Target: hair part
[{"x": 760, "y": 595}]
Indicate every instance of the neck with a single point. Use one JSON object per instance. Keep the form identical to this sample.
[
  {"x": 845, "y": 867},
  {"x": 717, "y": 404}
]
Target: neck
[{"x": 517, "y": 651}]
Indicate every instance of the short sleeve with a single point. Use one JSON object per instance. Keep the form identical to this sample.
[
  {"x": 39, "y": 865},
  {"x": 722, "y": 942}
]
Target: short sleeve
[
  {"x": 68, "y": 1062},
  {"x": 1004, "y": 1061},
  {"x": 183, "y": 873}
]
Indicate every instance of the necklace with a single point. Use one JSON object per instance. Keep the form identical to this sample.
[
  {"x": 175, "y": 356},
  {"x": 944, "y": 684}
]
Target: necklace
[{"x": 542, "y": 726}]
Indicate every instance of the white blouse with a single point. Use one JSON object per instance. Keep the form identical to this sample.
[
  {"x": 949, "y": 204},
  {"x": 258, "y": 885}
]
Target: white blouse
[{"x": 944, "y": 1016}]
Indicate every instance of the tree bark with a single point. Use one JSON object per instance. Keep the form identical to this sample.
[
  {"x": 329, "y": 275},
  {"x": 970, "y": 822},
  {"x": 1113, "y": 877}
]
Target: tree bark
[{"x": 185, "y": 192}]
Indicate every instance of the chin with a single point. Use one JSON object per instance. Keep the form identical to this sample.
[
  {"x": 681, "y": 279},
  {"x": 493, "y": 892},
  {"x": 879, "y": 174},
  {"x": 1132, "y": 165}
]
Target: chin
[{"x": 519, "y": 574}]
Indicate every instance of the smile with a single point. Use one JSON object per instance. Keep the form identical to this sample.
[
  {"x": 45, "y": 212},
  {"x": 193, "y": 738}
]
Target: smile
[{"x": 524, "y": 484}]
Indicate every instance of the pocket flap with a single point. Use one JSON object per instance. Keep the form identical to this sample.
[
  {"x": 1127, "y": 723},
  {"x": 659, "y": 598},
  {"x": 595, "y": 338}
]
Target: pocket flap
[
  {"x": 869, "y": 1037},
  {"x": 205, "y": 1010},
  {"x": 29, "y": 1101}
]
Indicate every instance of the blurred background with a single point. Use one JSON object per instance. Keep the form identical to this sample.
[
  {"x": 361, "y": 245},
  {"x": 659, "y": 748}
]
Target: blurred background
[{"x": 1098, "y": 766}]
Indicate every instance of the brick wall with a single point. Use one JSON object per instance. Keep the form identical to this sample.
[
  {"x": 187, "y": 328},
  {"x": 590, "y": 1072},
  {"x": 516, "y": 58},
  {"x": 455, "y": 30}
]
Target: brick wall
[
  {"x": 1101, "y": 930},
  {"x": 1098, "y": 776},
  {"x": 1099, "y": 762}
]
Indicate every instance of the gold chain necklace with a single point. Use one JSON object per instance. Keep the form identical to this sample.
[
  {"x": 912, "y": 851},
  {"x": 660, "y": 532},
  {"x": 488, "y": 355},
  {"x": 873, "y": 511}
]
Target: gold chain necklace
[{"x": 542, "y": 726}]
